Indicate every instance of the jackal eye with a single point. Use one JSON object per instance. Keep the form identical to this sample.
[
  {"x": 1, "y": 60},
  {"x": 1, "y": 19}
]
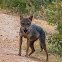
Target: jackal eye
[{"x": 28, "y": 23}]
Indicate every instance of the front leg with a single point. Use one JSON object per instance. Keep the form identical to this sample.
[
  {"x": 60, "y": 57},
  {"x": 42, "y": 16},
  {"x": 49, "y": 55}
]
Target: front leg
[
  {"x": 20, "y": 44},
  {"x": 28, "y": 44}
]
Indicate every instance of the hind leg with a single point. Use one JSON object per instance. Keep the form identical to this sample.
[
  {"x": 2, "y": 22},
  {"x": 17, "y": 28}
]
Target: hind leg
[
  {"x": 43, "y": 44},
  {"x": 44, "y": 47},
  {"x": 32, "y": 48}
]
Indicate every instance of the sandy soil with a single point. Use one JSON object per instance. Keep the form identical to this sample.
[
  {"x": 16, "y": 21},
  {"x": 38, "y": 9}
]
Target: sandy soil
[{"x": 9, "y": 38}]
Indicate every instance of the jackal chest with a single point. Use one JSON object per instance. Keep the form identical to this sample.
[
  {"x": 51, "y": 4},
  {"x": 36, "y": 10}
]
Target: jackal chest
[
  {"x": 26, "y": 36},
  {"x": 34, "y": 37}
]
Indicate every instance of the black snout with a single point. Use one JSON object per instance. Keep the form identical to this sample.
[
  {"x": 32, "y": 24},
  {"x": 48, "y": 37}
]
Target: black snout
[{"x": 25, "y": 30}]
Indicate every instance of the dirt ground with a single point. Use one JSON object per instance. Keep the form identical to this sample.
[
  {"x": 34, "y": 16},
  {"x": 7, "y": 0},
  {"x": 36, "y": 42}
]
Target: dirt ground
[{"x": 9, "y": 39}]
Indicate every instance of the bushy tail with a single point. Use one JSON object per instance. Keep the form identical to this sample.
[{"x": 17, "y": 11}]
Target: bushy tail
[{"x": 41, "y": 46}]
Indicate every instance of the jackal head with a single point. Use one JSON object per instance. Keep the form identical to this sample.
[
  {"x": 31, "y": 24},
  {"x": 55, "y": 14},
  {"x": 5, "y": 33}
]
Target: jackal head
[{"x": 26, "y": 23}]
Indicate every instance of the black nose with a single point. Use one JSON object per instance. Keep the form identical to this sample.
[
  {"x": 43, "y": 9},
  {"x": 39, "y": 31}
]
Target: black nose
[{"x": 25, "y": 30}]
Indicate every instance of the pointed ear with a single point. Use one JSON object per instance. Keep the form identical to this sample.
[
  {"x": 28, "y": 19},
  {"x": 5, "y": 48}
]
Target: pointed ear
[
  {"x": 31, "y": 17},
  {"x": 21, "y": 17}
]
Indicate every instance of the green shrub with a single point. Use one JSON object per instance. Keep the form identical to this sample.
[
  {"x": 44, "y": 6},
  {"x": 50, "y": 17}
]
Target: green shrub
[
  {"x": 14, "y": 5},
  {"x": 59, "y": 28},
  {"x": 54, "y": 12},
  {"x": 56, "y": 39}
]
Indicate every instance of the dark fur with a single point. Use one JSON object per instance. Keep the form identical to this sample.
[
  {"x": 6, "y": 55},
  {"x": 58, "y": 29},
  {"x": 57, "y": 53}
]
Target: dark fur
[{"x": 32, "y": 32}]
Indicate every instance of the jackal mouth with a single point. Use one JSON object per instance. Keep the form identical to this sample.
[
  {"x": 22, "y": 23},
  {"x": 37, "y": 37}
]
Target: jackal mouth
[{"x": 25, "y": 30}]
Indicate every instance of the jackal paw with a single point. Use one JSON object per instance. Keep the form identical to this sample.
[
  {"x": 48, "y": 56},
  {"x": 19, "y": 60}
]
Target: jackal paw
[
  {"x": 19, "y": 54},
  {"x": 26, "y": 55}
]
